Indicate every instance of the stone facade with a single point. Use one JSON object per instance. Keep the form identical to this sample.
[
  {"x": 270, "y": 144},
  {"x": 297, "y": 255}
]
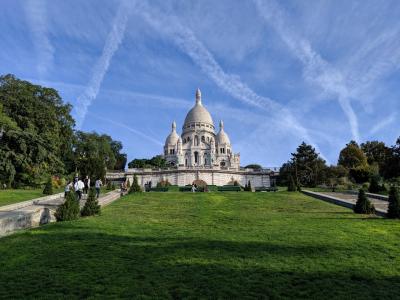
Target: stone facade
[{"x": 198, "y": 154}]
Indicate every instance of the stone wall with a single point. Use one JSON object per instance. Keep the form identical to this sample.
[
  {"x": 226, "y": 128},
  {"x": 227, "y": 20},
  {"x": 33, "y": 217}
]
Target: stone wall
[{"x": 211, "y": 177}]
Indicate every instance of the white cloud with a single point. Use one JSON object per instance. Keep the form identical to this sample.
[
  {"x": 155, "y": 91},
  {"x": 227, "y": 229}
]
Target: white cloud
[
  {"x": 112, "y": 43},
  {"x": 385, "y": 122},
  {"x": 231, "y": 84},
  {"x": 36, "y": 14},
  {"x": 316, "y": 69}
]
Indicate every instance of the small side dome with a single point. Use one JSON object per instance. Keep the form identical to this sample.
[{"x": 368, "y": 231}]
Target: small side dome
[
  {"x": 173, "y": 137},
  {"x": 222, "y": 137}
]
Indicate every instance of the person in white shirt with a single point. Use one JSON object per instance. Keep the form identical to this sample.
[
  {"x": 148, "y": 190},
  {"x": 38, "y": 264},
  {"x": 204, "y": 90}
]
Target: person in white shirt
[
  {"x": 78, "y": 187},
  {"x": 98, "y": 185}
]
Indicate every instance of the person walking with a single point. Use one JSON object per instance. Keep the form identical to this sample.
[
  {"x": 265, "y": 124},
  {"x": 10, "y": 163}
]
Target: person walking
[
  {"x": 78, "y": 187},
  {"x": 67, "y": 189},
  {"x": 87, "y": 184},
  {"x": 98, "y": 185}
]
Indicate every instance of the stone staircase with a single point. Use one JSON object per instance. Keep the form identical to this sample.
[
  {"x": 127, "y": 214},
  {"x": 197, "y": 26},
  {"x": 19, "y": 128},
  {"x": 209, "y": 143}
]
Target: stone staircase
[{"x": 36, "y": 212}]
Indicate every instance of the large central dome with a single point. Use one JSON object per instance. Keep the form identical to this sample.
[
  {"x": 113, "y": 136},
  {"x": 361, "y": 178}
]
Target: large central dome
[{"x": 198, "y": 114}]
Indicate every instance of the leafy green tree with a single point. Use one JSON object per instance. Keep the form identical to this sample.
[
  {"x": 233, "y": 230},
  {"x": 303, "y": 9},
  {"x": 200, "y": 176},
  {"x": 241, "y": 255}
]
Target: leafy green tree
[
  {"x": 394, "y": 203},
  {"x": 254, "y": 167},
  {"x": 120, "y": 158},
  {"x": 352, "y": 156},
  {"x": 135, "y": 187},
  {"x": 48, "y": 188},
  {"x": 155, "y": 162},
  {"x": 376, "y": 153},
  {"x": 91, "y": 206},
  {"x": 391, "y": 168},
  {"x": 38, "y": 132},
  {"x": 363, "y": 205},
  {"x": 69, "y": 210}
]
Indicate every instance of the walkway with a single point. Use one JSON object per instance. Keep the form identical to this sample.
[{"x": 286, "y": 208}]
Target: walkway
[{"x": 348, "y": 200}]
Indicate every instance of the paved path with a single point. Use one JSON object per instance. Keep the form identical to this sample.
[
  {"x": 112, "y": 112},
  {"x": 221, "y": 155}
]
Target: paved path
[
  {"x": 39, "y": 211},
  {"x": 348, "y": 200}
]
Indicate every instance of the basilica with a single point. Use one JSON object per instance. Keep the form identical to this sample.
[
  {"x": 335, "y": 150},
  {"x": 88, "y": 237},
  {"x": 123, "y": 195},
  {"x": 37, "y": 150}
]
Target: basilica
[
  {"x": 198, "y": 154},
  {"x": 199, "y": 146}
]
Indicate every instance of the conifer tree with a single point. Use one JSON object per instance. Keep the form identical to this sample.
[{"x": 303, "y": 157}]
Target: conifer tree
[
  {"x": 69, "y": 210},
  {"x": 374, "y": 185},
  {"x": 291, "y": 186},
  {"x": 48, "y": 188},
  {"x": 135, "y": 187},
  {"x": 249, "y": 186},
  {"x": 394, "y": 203},
  {"x": 92, "y": 206},
  {"x": 363, "y": 205}
]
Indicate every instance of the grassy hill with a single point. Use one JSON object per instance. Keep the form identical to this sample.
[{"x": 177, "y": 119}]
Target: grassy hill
[{"x": 207, "y": 245}]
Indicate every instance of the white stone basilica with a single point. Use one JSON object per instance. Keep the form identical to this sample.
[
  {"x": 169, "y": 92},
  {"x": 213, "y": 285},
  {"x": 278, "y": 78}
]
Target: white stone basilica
[
  {"x": 198, "y": 154},
  {"x": 199, "y": 146}
]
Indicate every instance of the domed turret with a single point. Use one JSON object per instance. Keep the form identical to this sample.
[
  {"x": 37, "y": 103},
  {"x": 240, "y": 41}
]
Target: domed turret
[
  {"x": 198, "y": 115},
  {"x": 173, "y": 137},
  {"x": 222, "y": 137}
]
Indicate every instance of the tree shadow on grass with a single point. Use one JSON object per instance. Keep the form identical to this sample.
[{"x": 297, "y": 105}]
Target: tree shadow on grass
[{"x": 76, "y": 262}]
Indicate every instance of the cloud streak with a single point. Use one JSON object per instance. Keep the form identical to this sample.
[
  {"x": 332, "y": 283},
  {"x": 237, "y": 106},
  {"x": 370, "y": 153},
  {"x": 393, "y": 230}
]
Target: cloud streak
[
  {"x": 231, "y": 84},
  {"x": 100, "y": 69},
  {"x": 316, "y": 69},
  {"x": 36, "y": 15}
]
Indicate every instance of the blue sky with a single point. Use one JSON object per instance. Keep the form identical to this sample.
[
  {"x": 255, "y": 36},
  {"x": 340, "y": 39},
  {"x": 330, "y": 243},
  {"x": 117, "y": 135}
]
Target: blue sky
[{"x": 276, "y": 72}]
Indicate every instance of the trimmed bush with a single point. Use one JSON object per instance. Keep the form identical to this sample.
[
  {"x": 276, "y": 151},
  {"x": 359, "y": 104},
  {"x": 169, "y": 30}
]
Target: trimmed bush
[
  {"x": 69, "y": 210},
  {"x": 48, "y": 188},
  {"x": 229, "y": 188},
  {"x": 92, "y": 206},
  {"x": 135, "y": 187},
  {"x": 394, "y": 203},
  {"x": 363, "y": 205}
]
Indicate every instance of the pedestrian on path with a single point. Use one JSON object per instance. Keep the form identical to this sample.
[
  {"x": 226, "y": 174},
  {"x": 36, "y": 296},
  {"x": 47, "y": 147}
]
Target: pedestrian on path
[
  {"x": 67, "y": 189},
  {"x": 98, "y": 185},
  {"x": 78, "y": 187},
  {"x": 87, "y": 184}
]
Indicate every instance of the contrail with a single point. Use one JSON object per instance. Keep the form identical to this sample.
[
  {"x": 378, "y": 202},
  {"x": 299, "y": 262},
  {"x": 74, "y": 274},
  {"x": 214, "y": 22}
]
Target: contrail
[
  {"x": 189, "y": 44},
  {"x": 135, "y": 131},
  {"x": 113, "y": 41},
  {"x": 317, "y": 70},
  {"x": 36, "y": 14}
]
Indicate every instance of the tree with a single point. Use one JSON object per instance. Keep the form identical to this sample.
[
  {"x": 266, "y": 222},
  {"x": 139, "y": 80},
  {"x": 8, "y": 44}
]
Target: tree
[
  {"x": 48, "y": 188},
  {"x": 155, "y": 162},
  {"x": 255, "y": 167},
  {"x": 352, "y": 156},
  {"x": 374, "y": 186},
  {"x": 394, "y": 203},
  {"x": 292, "y": 185},
  {"x": 135, "y": 187},
  {"x": 91, "y": 206},
  {"x": 69, "y": 210},
  {"x": 363, "y": 205},
  {"x": 307, "y": 167},
  {"x": 391, "y": 168},
  {"x": 376, "y": 153},
  {"x": 38, "y": 132},
  {"x": 120, "y": 158}
]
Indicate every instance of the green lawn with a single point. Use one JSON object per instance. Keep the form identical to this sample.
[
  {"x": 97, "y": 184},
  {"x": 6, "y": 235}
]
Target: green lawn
[
  {"x": 207, "y": 245},
  {"x": 15, "y": 196}
]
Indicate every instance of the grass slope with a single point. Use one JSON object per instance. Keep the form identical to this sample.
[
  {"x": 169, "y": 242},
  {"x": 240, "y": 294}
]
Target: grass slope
[
  {"x": 11, "y": 196},
  {"x": 217, "y": 245}
]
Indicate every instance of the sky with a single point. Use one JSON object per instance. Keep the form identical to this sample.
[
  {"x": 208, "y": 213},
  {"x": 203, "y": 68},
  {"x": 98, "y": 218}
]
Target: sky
[{"x": 276, "y": 72}]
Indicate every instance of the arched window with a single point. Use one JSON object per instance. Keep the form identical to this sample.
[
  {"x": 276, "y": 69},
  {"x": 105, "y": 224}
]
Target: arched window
[
  {"x": 208, "y": 139},
  {"x": 196, "y": 157},
  {"x": 196, "y": 140},
  {"x": 186, "y": 162},
  {"x": 203, "y": 139},
  {"x": 222, "y": 164}
]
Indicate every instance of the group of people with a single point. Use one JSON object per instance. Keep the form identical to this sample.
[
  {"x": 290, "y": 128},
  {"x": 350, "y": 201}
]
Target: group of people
[{"x": 82, "y": 187}]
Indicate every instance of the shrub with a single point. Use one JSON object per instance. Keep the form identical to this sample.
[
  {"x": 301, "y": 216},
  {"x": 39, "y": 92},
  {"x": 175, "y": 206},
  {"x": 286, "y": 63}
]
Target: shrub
[
  {"x": 69, "y": 210},
  {"x": 394, "y": 203},
  {"x": 248, "y": 187},
  {"x": 135, "y": 187},
  {"x": 92, "y": 206},
  {"x": 363, "y": 205},
  {"x": 291, "y": 186},
  {"x": 374, "y": 185},
  {"x": 48, "y": 188}
]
